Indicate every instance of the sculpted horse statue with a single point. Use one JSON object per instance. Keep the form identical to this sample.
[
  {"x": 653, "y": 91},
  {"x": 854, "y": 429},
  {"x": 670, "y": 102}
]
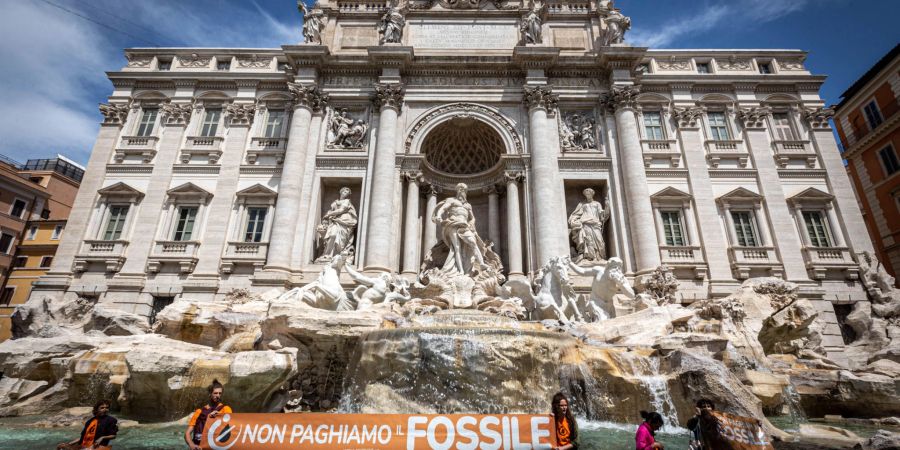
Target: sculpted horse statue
[{"x": 555, "y": 297}]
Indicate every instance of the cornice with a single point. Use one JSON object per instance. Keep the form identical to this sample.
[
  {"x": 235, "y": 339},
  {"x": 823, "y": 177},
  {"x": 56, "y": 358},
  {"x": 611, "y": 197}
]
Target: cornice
[
  {"x": 129, "y": 168},
  {"x": 569, "y": 164},
  {"x": 260, "y": 170},
  {"x": 888, "y": 126},
  {"x": 732, "y": 173},
  {"x": 802, "y": 173},
  {"x": 196, "y": 168}
]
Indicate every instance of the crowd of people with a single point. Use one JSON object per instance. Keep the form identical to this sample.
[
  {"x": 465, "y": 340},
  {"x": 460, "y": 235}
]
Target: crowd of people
[{"x": 101, "y": 428}]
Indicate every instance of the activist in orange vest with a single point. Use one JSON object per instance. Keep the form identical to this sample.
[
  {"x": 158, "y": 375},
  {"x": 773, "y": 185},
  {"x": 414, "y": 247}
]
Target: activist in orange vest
[
  {"x": 97, "y": 431},
  {"x": 194, "y": 433},
  {"x": 564, "y": 423}
]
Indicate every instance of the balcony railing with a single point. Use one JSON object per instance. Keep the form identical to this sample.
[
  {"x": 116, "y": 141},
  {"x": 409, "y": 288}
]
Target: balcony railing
[
  {"x": 744, "y": 259},
  {"x": 252, "y": 253},
  {"x": 820, "y": 259},
  {"x": 263, "y": 146},
  {"x": 143, "y": 146},
  {"x": 717, "y": 150},
  {"x": 684, "y": 256},
  {"x": 209, "y": 147},
  {"x": 785, "y": 151},
  {"x": 183, "y": 253},
  {"x": 661, "y": 149},
  {"x": 110, "y": 253}
]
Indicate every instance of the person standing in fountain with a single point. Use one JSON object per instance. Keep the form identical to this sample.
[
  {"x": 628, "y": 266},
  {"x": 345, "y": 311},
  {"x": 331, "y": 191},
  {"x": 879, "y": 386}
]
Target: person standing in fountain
[
  {"x": 194, "y": 433},
  {"x": 97, "y": 431},
  {"x": 703, "y": 407},
  {"x": 566, "y": 426},
  {"x": 645, "y": 437}
]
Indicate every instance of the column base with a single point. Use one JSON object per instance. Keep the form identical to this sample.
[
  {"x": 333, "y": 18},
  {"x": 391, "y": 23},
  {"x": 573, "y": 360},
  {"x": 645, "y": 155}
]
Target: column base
[{"x": 377, "y": 269}]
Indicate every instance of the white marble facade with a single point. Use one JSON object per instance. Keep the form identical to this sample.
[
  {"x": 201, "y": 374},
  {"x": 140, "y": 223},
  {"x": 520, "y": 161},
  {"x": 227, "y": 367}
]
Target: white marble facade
[{"x": 214, "y": 167}]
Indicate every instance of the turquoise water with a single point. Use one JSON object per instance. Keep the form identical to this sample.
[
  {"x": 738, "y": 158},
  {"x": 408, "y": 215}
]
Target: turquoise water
[{"x": 18, "y": 434}]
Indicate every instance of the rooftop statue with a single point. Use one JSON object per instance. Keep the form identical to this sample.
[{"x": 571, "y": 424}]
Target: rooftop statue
[
  {"x": 391, "y": 26},
  {"x": 313, "y": 23},
  {"x": 616, "y": 25},
  {"x": 531, "y": 25}
]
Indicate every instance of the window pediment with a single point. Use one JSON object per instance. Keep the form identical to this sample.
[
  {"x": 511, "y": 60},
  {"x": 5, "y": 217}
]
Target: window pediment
[
  {"x": 188, "y": 191},
  {"x": 121, "y": 191},
  {"x": 670, "y": 195},
  {"x": 811, "y": 195},
  {"x": 257, "y": 193},
  {"x": 740, "y": 195}
]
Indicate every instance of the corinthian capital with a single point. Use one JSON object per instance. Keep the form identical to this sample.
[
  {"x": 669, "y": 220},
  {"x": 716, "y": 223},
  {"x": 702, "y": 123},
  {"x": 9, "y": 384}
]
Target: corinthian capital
[
  {"x": 176, "y": 113},
  {"x": 389, "y": 96},
  {"x": 308, "y": 96},
  {"x": 818, "y": 117},
  {"x": 240, "y": 114},
  {"x": 754, "y": 117},
  {"x": 687, "y": 116},
  {"x": 540, "y": 97},
  {"x": 114, "y": 114},
  {"x": 620, "y": 97}
]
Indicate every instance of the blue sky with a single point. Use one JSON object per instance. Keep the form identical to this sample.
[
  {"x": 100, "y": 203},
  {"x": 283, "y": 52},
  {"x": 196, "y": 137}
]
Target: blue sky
[{"x": 51, "y": 78}]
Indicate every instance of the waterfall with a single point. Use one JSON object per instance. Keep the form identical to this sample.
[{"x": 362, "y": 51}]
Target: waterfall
[{"x": 658, "y": 387}]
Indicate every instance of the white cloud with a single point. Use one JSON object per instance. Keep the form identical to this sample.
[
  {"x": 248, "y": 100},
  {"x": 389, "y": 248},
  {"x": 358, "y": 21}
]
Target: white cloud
[
  {"x": 54, "y": 62},
  {"x": 661, "y": 37},
  {"x": 740, "y": 14}
]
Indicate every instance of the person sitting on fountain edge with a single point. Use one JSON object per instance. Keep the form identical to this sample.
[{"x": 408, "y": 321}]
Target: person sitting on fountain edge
[
  {"x": 194, "y": 433},
  {"x": 97, "y": 431},
  {"x": 703, "y": 406},
  {"x": 566, "y": 427},
  {"x": 644, "y": 439}
]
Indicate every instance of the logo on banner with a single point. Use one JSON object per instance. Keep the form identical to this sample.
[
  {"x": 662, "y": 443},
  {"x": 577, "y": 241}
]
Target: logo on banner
[{"x": 225, "y": 438}]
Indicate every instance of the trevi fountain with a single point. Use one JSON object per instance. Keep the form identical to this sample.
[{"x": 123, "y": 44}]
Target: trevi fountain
[{"x": 579, "y": 234}]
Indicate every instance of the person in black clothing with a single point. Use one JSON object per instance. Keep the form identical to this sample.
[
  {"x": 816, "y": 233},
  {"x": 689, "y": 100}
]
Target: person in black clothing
[
  {"x": 97, "y": 431},
  {"x": 704, "y": 405}
]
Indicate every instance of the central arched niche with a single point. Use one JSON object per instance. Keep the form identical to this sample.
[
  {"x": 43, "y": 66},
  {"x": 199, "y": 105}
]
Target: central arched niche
[{"x": 461, "y": 146}]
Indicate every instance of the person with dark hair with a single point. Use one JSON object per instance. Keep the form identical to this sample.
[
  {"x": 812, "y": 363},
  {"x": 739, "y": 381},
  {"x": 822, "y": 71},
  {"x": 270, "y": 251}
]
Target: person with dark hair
[
  {"x": 646, "y": 432},
  {"x": 97, "y": 431},
  {"x": 566, "y": 426},
  {"x": 194, "y": 433},
  {"x": 704, "y": 405}
]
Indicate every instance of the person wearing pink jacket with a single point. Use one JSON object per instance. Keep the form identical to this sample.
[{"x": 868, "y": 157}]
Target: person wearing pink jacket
[{"x": 644, "y": 439}]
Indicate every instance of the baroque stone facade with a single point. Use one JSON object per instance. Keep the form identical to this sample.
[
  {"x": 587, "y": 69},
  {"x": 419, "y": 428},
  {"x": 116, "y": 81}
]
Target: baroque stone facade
[{"x": 207, "y": 177}]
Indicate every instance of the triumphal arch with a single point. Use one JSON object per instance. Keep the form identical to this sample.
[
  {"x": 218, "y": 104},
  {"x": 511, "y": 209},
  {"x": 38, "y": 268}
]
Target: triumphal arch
[{"x": 515, "y": 134}]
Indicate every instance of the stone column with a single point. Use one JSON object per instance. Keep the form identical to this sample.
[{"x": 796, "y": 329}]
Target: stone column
[
  {"x": 175, "y": 118},
  {"x": 513, "y": 225},
  {"x": 430, "y": 228},
  {"x": 389, "y": 101},
  {"x": 848, "y": 212},
  {"x": 714, "y": 242},
  {"x": 550, "y": 216},
  {"x": 114, "y": 117},
  {"x": 646, "y": 247},
  {"x": 411, "y": 228},
  {"x": 307, "y": 100},
  {"x": 238, "y": 118},
  {"x": 494, "y": 216},
  {"x": 786, "y": 240}
]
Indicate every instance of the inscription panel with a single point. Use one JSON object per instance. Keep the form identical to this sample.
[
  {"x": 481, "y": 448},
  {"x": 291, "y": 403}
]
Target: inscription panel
[
  {"x": 358, "y": 36},
  {"x": 495, "y": 35},
  {"x": 569, "y": 38}
]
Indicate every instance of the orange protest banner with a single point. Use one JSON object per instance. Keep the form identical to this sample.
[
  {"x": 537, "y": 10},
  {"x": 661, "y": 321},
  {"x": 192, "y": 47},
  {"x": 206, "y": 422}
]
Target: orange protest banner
[
  {"x": 725, "y": 431},
  {"x": 378, "y": 432}
]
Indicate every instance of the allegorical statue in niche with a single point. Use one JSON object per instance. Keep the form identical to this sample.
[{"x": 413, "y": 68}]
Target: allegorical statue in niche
[
  {"x": 586, "y": 228},
  {"x": 616, "y": 26},
  {"x": 456, "y": 225},
  {"x": 391, "y": 26},
  {"x": 313, "y": 23},
  {"x": 531, "y": 25},
  {"x": 336, "y": 231}
]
